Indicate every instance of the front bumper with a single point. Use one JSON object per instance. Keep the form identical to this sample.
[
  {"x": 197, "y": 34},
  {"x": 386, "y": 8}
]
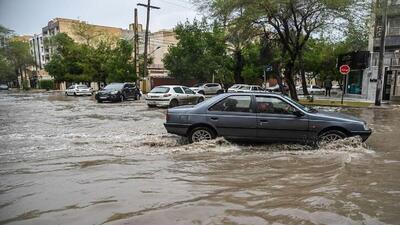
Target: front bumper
[
  {"x": 363, "y": 134},
  {"x": 177, "y": 128},
  {"x": 107, "y": 97}
]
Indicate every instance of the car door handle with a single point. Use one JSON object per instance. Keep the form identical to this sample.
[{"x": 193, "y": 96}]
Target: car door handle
[{"x": 214, "y": 118}]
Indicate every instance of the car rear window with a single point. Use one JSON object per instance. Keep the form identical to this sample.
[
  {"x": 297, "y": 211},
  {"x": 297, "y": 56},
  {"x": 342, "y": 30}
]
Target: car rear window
[{"x": 160, "y": 90}]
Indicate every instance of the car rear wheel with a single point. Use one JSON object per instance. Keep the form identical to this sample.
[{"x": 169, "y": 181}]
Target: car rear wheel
[
  {"x": 330, "y": 136},
  {"x": 200, "y": 99},
  {"x": 201, "y": 134},
  {"x": 173, "y": 103}
]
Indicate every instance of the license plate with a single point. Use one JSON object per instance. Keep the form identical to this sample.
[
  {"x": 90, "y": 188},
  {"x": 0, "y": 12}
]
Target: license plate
[{"x": 103, "y": 97}]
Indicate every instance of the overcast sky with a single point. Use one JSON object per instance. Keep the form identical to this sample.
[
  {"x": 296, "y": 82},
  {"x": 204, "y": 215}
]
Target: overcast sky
[{"x": 29, "y": 16}]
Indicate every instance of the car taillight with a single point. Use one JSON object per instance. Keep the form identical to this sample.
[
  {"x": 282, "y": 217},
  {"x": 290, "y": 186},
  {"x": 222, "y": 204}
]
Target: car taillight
[{"x": 166, "y": 95}]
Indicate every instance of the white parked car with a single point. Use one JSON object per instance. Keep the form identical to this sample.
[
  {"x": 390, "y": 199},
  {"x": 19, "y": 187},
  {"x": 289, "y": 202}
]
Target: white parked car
[
  {"x": 78, "y": 89},
  {"x": 208, "y": 89},
  {"x": 172, "y": 95},
  {"x": 236, "y": 87},
  {"x": 251, "y": 88},
  {"x": 312, "y": 89}
]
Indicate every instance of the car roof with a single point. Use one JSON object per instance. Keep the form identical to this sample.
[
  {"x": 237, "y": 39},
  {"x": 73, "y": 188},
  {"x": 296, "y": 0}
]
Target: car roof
[
  {"x": 170, "y": 86},
  {"x": 253, "y": 93}
]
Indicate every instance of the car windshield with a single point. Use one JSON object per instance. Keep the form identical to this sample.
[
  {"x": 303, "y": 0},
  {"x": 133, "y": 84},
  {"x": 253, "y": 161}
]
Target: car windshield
[
  {"x": 160, "y": 90},
  {"x": 82, "y": 86},
  {"x": 305, "y": 108},
  {"x": 114, "y": 86}
]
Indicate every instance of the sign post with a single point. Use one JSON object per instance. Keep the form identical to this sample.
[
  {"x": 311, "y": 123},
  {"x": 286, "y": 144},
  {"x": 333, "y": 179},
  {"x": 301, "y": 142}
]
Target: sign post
[{"x": 344, "y": 69}]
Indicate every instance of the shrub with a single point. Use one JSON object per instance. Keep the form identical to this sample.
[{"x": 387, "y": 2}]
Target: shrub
[{"x": 46, "y": 84}]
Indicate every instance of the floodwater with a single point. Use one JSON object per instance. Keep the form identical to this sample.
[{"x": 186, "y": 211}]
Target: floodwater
[{"x": 69, "y": 160}]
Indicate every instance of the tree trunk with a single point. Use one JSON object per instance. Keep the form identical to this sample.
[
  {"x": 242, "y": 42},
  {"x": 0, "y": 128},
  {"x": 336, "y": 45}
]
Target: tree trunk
[
  {"x": 290, "y": 81},
  {"x": 279, "y": 80},
  {"x": 303, "y": 77},
  {"x": 238, "y": 67}
]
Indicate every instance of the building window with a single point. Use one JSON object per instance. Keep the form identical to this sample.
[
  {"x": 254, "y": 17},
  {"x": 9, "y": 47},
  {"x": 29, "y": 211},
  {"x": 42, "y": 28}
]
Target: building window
[{"x": 394, "y": 26}]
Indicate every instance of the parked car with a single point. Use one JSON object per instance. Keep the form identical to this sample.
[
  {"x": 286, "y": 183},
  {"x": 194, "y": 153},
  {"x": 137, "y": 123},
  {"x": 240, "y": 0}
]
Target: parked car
[
  {"x": 312, "y": 89},
  {"x": 251, "y": 88},
  {"x": 236, "y": 87},
  {"x": 118, "y": 92},
  {"x": 276, "y": 88},
  {"x": 3, "y": 87},
  {"x": 261, "y": 117},
  {"x": 172, "y": 96},
  {"x": 78, "y": 89},
  {"x": 208, "y": 89}
]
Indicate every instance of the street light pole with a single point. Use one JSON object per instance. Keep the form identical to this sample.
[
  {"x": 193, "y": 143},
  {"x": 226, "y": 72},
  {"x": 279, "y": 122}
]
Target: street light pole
[{"x": 378, "y": 96}]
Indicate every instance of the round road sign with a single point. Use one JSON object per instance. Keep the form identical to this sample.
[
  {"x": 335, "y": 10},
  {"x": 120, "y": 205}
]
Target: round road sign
[{"x": 344, "y": 69}]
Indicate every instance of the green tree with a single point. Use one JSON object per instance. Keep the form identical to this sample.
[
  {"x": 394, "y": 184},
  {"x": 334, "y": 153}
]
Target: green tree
[
  {"x": 105, "y": 62},
  {"x": 120, "y": 66},
  {"x": 200, "y": 53},
  {"x": 292, "y": 21}
]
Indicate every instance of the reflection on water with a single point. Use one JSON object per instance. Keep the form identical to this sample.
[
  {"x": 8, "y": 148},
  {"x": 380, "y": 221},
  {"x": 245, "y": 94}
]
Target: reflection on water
[{"x": 69, "y": 160}]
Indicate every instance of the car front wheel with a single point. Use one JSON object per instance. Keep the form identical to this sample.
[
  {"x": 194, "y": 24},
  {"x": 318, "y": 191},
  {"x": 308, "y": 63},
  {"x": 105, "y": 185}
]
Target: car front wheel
[
  {"x": 201, "y": 134},
  {"x": 330, "y": 136}
]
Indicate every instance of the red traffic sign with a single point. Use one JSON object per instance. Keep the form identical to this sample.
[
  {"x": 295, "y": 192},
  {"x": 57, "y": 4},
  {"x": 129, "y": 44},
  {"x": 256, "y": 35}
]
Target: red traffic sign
[{"x": 344, "y": 69}]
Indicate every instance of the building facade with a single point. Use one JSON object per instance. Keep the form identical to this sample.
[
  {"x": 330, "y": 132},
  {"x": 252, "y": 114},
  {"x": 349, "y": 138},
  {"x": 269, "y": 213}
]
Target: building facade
[
  {"x": 159, "y": 42},
  {"x": 391, "y": 62}
]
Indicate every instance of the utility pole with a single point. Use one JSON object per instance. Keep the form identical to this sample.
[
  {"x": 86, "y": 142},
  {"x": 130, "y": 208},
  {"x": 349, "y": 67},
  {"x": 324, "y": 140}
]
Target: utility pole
[
  {"x": 381, "y": 52},
  {"x": 135, "y": 30},
  {"x": 146, "y": 36}
]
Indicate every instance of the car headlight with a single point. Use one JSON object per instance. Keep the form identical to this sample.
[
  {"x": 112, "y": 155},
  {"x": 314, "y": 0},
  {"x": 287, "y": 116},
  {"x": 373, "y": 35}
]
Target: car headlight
[
  {"x": 114, "y": 92},
  {"x": 365, "y": 126}
]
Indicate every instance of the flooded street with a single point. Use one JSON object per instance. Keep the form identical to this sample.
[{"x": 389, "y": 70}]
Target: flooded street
[{"x": 70, "y": 160}]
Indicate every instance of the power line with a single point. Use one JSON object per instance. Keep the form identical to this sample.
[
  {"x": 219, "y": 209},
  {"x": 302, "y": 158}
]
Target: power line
[{"x": 173, "y": 3}]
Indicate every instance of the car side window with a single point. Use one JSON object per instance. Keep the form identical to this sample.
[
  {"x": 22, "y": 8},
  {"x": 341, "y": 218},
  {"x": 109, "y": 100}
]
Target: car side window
[
  {"x": 233, "y": 104},
  {"x": 178, "y": 90},
  {"x": 71, "y": 87},
  {"x": 273, "y": 105},
  {"x": 188, "y": 91}
]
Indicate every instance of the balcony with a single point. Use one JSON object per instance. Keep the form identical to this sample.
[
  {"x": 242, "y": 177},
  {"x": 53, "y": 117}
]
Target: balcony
[{"x": 390, "y": 42}]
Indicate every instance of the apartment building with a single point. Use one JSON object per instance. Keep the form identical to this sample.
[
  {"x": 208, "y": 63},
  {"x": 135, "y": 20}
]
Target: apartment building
[
  {"x": 159, "y": 42},
  {"x": 391, "y": 62}
]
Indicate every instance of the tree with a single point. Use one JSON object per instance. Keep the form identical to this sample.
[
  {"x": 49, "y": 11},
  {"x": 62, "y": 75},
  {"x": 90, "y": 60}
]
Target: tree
[
  {"x": 105, "y": 62},
  {"x": 18, "y": 53},
  {"x": 293, "y": 22},
  {"x": 200, "y": 53},
  {"x": 120, "y": 66}
]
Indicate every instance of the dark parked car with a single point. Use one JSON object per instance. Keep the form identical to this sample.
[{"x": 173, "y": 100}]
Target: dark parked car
[
  {"x": 115, "y": 92},
  {"x": 3, "y": 87},
  {"x": 261, "y": 116}
]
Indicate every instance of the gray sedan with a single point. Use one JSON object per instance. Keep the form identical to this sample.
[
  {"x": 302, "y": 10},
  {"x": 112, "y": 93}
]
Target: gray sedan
[{"x": 261, "y": 117}]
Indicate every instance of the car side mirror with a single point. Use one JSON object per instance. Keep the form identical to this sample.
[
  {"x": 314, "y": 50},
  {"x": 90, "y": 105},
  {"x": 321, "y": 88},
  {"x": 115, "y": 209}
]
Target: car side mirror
[{"x": 298, "y": 113}]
